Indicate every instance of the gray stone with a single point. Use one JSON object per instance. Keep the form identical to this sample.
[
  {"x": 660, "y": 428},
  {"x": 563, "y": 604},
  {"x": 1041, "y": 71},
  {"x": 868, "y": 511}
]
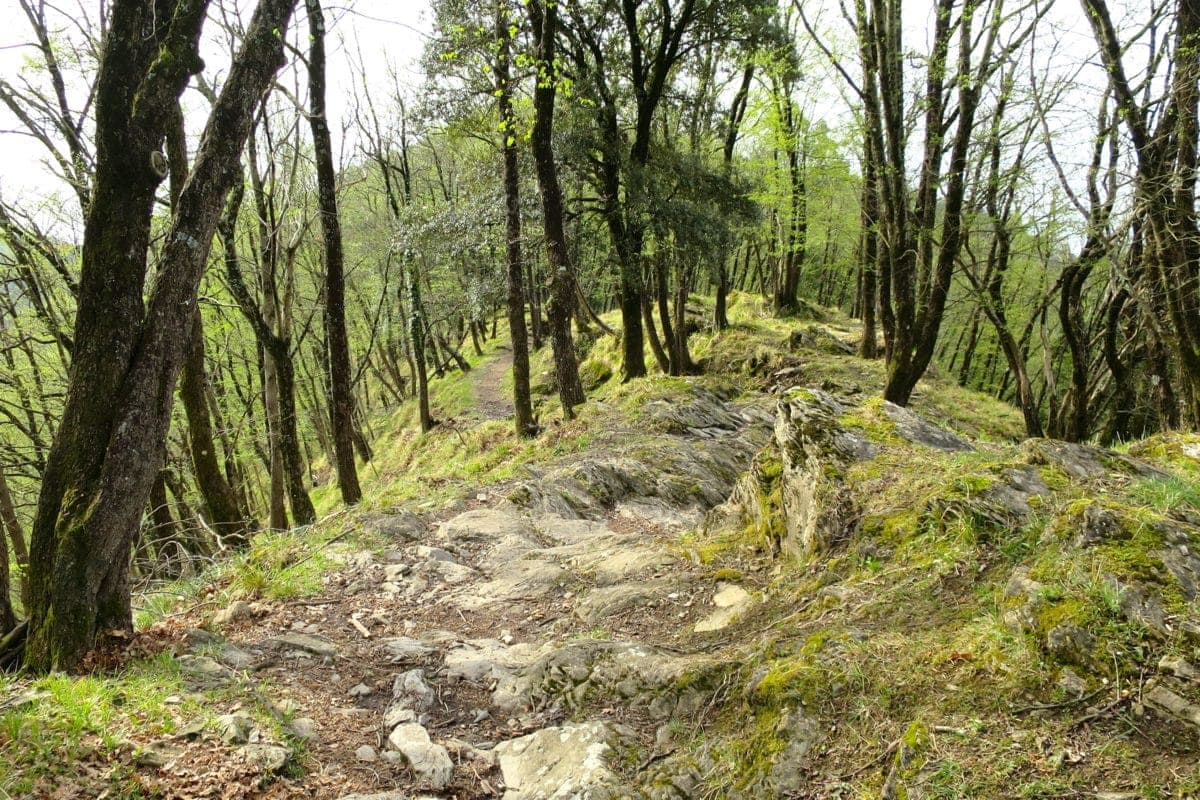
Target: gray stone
[
  {"x": 410, "y": 690},
  {"x": 304, "y": 729},
  {"x": 204, "y": 669},
  {"x": 729, "y": 595},
  {"x": 238, "y": 609},
  {"x": 642, "y": 677},
  {"x": 513, "y": 580},
  {"x": 308, "y": 643},
  {"x": 445, "y": 572},
  {"x": 1071, "y": 684},
  {"x": 1179, "y": 667},
  {"x": 359, "y": 690},
  {"x": 270, "y": 758},
  {"x": 366, "y": 754},
  {"x": 235, "y": 728},
  {"x": 155, "y": 755},
  {"x": 1183, "y": 564},
  {"x": 285, "y": 706},
  {"x": 1167, "y": 702},
  {"x": 483, "y": 526},
  {"x": 465, "y": 751},
  {"x": 395, "y": 573},
  {"x": 605, "y": 602},
  {"x": 404, "y": 650},
  {"x": 788, "y": 773},
  {"x": 198, "y": 637},
  {"x": 920, "y": 431},
  {"x": 430, "y": 761},
  {"x": 236, "y": 657},
  {"x": 817, "y": 512},
  {"x": 398, "y": 714},
  {"x": 720, "y": 619},
  {"x": 403, "y": 526},
  {"x": 427, "y": 553},
  {"x": 1071, "y": 644},
  {"x": 1084, "y": 462},
  {"x": 1098, "y": 525},
  {"x": 622, "y": 559},
  {"x": 704, "y": 410},
  {"x": 1012, "y": 495},
  {"x": 732, "y": 603},
  {"x": 817, "y": 337},
  {"x": 1140, "y": 605},
  {"x": 562, "y": 763}
]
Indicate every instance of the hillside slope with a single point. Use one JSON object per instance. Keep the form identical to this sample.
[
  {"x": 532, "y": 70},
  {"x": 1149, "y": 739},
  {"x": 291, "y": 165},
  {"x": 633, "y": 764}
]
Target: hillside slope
[{"x": 762, "y": 583}]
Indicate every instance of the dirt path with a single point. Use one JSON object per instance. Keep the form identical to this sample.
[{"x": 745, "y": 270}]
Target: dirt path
[
  {"x": 491, "y": 398},
  {"x": 497, "y": 652}
]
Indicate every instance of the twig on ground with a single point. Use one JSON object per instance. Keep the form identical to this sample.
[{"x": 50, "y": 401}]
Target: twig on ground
[
  {"x": 1098, "y": 713},
  {"x": 879, "y": 759},
  {"x": 1064, "y": 704}
]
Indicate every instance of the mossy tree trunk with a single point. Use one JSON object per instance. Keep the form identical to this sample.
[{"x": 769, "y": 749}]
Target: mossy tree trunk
[
  {"x": 128, "y": 351},
  {"x": 544, "y": 16},
  {"x": 515, "y": 273}
]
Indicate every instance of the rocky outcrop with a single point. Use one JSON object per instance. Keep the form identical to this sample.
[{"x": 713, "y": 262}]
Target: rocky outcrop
[{"x": 571, "y": 762}]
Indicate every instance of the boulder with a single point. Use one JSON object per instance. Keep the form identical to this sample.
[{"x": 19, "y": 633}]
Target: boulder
[
  {"x": 818, "y": 512},
  {"x": 660, "y": 682},
  {"x": 235, "y": 728},
  {"x": 306, "y": 643},
  {"x": 409, "y": 690},
  {"x": 429, "y": 761},
  {"x": 237, "y": 610},
  {"x": 917, "y": 430},
  {"x": 405, "y": 650},
  {"x": 267, "y": 758},
  {"x": 789, "y": 768},
  {"x": 402, "y": 526},
  {"x": 565, "y": 763}
]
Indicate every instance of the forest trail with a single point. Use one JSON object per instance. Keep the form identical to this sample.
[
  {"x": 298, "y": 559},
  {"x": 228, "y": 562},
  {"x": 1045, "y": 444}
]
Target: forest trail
[
  {"x": 695, "y": 590},
  {"x": 492, "y": 399},
  {"x": 453, "y": 661}
]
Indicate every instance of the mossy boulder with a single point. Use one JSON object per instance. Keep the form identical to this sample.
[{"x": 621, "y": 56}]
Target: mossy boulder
[
  {"x": 819, "y": 513},
  {"x": 593, "y": 373}
]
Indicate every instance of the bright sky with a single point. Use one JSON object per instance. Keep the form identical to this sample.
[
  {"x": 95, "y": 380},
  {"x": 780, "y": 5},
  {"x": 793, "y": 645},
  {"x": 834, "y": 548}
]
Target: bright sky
[{"x": 389, "y": 33}]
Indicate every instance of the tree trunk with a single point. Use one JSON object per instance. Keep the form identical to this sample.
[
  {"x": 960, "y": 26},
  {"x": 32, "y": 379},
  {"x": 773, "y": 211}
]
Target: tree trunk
[
  {"x": 128, "y": 356},
  {"x": 295, "y": 471},
  {"x": 227, "y": 519},
  {"x": 277, "y": 490},
  {"x": 416, "y": 330},
  {"x": 515, "y": 273},
  {"x": 341, "y": 396},
  {"x": 544, "y": 16}
]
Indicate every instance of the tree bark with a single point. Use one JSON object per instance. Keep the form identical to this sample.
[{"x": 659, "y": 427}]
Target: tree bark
[
  {"x": 544, "y": 16},
  {"x": 515, "y": 272},
  {"x": 416, "y": 330},
  {"x": 111, "y": 444},
  {"x": 341, "y": 396}
]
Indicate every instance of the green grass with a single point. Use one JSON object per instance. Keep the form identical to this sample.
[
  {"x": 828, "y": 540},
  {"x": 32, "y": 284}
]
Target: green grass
[
  {"x": 76, "y": 719},
  {"x": 1167, "y": 493},
  {"x": 906, "y": 624}
]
